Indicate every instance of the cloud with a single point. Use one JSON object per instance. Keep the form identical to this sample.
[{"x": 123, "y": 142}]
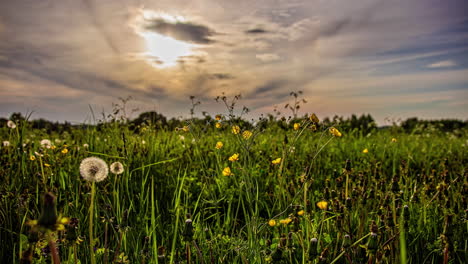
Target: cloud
[
  {"x": 268, "y": 57},
  {"x": 256, "y": 31},
  {"x": 442, "y": 64},
  {"x": 221, "y": 76},
  {"x": 180, "y": 30}
]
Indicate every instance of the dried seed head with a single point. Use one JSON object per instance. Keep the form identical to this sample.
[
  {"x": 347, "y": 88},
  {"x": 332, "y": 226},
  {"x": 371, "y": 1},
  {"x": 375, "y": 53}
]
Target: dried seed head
[{"x": 94, "y": 169}]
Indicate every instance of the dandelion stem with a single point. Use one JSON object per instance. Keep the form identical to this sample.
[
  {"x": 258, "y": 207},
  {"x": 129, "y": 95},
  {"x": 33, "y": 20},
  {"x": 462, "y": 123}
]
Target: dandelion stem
[{"x": 91, "y": 215}]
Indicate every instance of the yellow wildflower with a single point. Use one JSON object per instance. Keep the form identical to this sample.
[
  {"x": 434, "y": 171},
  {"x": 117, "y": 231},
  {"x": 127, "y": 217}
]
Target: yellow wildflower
[
  {"x": 218, "y": 125},
  {"x": 219, "y": 145},
  {"x": 272, "y": 222},
  {"x": 46, "y": 164},
  {"x": 53, "y": 147},
  {"x": 365, "y": 151},
  {"x": 234, "y": 157},
  {"x": 235, "y": 130},
  {"x": 185, "y": 128},
  {"x": 32, "y": 157},
  {"x": 246, "y": 134},
  {"x": 300, "y": 213},
  {"x": 335, "y": 132},
  {"x": 322, "y": 205},
  {"x": 218, "y": 117},
  {"x": 276, "y": 161},
  {"x": 394, "y": 140},
  {"x": 285, "y": 221},
  {"x": 64, "y": 151},
  {"x": 314, "y": 118},
  {"x": 227, "y": 171},
  {"x": 297, "y": 126}
]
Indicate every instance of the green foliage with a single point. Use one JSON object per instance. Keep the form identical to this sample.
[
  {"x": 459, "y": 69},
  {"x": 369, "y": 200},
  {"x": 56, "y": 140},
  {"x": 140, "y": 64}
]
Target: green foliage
[{"x": 173, "y": 169}]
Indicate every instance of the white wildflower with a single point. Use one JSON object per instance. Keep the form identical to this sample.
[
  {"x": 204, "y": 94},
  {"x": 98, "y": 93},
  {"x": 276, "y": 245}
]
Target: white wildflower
[
  {"x": 94, "y": 169},
  {"x": 45, "y": 143},
  {"x": 116, "y": 168},
  {"x": 11, "y": 124}
]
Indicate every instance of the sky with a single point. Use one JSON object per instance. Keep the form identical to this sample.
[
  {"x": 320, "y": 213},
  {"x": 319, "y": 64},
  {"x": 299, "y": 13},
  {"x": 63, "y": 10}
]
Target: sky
[{"x": 67, "y": 59}]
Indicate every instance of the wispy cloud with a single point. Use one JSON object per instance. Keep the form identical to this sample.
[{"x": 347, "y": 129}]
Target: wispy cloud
[{"x": 442, "y": 64}]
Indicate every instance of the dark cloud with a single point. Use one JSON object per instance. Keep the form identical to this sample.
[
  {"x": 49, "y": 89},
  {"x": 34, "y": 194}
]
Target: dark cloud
[
  {"x": 256, "y": 31},
  {"x": 269, "y": 87},
  {"x": 335, "y": 27},
  {"x": 184, "y": 31},
  {"x": 221, "y": 76}
]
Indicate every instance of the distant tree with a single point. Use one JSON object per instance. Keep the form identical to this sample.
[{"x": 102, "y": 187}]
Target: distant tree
[{"x": 151, "y": 118}]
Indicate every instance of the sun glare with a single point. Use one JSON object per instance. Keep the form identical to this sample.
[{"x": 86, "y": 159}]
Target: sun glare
[{"x": 162, "y": 51}]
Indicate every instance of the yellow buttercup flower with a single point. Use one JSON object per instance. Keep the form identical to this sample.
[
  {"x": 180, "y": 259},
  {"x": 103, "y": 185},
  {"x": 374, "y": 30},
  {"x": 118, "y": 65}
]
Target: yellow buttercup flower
[
  {"x": 32, "y": 157},
  {"x": 235, "y": 130},
  {"x": 246, "y": 134},
  {"x": 335, "y": 132},
  {"x": 53, "y": 147},
  {"x": 218, "y": 125},
  {"x": 365, "y": 151},
  {"x": 218, "y": 117},
  {"x": 322, "y": 205},
  {"x": 64, "y": 151},
  {"x": 227, "y": 171},
  {"x": 219, "y": 145},
  {"x": 314, "y": 118},
  {"x": 46, "y": 164},
  {"x": 276, "y": 161},
  {"x": 272, "y": 222},
  {"x": 285, "y": 221},
  {"x": 185, "y": 129},
  {"x": 300, "y": 213},
  {"x": 234, "y": 157},
  {"x": 297, "y": 126},
  {"x": 394, "y": 140}
]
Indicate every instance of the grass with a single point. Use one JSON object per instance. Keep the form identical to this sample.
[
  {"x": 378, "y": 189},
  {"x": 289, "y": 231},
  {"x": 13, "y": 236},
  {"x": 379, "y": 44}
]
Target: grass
[{"x": 402, "y": 202}]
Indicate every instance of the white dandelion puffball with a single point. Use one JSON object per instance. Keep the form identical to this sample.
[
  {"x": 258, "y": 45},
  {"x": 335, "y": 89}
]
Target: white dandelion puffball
[
  {"x": 6, "y": 143},
  {"x": 94, "y": 169},
  {"x": 116, "y": 168},
  {"x": 85, "y": 145},
  {"x": 45, "y": 143},
  {"x": 11, "y": 124}
]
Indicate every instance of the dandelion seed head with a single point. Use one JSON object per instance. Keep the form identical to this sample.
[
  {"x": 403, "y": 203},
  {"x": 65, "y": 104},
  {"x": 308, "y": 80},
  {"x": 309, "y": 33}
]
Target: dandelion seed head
[
  {"x": 11, "y": 124},
  {"x": 6, "y": 143},
  {"x": 45, "y": 143},
  {"x": 94, "y": 169},
  {"x": 117, "y": 168}
]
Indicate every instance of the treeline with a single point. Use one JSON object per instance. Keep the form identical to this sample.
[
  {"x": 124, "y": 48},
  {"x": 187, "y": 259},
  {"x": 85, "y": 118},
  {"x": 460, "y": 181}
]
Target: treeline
[{"x": 363, "y": 124}]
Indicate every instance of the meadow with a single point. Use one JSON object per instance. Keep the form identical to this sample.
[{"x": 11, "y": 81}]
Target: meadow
[{"x": 223, "y": 190}]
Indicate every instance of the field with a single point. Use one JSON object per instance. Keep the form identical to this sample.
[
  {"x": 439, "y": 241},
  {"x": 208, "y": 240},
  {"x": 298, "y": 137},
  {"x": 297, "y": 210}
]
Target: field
[{"x": 220, "y": 190}]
